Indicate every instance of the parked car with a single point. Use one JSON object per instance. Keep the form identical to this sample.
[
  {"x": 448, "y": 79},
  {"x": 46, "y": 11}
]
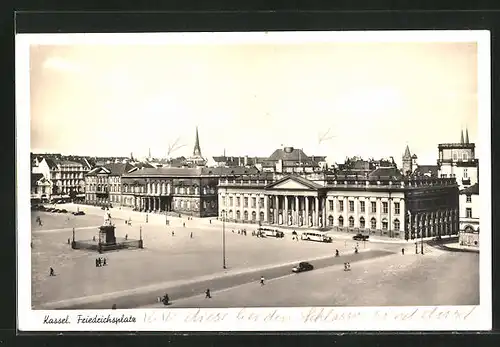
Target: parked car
[
  {"x": 79, "y": 213},
  {"x": 63, "y": 211},
  {"x": 303, "y": 266},
  {"x": 360, "y": 237}
]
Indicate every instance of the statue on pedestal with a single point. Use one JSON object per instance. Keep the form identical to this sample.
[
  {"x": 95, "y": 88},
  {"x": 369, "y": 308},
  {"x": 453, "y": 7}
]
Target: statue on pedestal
[{"x": 107, "y": 218}]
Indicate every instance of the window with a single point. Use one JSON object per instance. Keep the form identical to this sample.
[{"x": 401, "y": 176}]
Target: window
[
  {"x": 374, "y": 207},
  {"x": 341, "y": 206},
  {"x": 468, "y": 198},
  {"x": 254, "y": 216},
  {"x": 455, "y": 157},
  {"x": 245, "y": 202},
  {"x": 362, "y": 223},
  {"x": 385, "y": 225},
  {"x": 465, "y": 157},
  {"x": 254, "y": 202},
  {"x": 362, "y": 207},
  {"x": 396, "y": 208},
  {"x": 330, "y": 220},
  {"x": 341, "y": 221},
  {"x": 351, "y": 222},
  {"x": 237, "y": 203},
  {"x": 351, "y": 206},
  {"x": 261, "y": 202},
  {"x": 396, "y": 225},
  {"x": 385, "y": 207},
  {"x": 223, "y": 199},
  {"x": 331, "y": 205},
  {"x": 468, "y": 212},
  {"x": 373, "y": 223},
  {"x": 245, "y": 215},
  {"x": 238, "y": 215},
  {"x": 230, "y": 201}
]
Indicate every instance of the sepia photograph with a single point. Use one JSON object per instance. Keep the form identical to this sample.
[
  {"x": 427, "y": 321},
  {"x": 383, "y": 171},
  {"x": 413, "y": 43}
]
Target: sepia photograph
[{"x": 248, "y": 171}]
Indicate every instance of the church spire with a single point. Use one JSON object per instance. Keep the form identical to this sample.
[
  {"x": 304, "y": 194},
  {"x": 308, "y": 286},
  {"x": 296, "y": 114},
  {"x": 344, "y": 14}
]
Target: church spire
[
  {"x": 407, "y": 152},
  {"x": 197, "y": 149},
  {"x": 466, "y": 135},
  {"x": 462, "y": 137}
]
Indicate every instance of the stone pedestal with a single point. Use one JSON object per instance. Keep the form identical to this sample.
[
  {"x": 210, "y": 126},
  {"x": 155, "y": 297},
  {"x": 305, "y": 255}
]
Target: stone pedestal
[{"x": 107, "y": 235}]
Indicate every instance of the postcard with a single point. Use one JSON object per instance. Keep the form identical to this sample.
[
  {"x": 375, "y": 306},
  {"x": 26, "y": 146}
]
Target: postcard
[{"x": 257, "y": 181}]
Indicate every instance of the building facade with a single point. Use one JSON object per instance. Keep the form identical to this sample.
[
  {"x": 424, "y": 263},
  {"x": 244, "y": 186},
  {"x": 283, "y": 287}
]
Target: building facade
[
  {"x": 459, "y": 160},
  {"x": 103, "y": 184},
  {"x": 383, "y": 202},
  {"x": 469, "y": 216},
  {"x": 40, "y": 188},
  {"x": 66, "y": 177},
  {"x": 189, "y": 191}
]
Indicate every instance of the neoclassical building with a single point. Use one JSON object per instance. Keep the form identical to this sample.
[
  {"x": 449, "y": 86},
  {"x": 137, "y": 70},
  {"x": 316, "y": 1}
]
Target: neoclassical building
[
  {"x": 381, "y": 202},
  {"x": 190, "y": 191}
]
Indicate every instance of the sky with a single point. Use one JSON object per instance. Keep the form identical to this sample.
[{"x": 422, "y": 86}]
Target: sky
[{"x": 366, "y": 99}]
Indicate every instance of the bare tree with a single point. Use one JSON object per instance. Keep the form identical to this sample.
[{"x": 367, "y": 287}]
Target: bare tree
[
  {"x": 326, "y": 136},
  {"x": 174, "y": 146}
]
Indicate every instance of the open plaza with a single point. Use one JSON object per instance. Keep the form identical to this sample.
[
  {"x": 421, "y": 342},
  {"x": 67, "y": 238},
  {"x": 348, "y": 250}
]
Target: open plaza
[{"x": 184, "y": 257}]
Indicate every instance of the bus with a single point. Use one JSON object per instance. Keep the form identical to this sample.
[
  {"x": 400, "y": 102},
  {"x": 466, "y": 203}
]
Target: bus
[{"x": 315, "y": 236}]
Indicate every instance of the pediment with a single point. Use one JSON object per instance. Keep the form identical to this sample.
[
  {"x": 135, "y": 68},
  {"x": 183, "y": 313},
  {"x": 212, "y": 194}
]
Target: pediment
[{"x": 290, "y": 184}]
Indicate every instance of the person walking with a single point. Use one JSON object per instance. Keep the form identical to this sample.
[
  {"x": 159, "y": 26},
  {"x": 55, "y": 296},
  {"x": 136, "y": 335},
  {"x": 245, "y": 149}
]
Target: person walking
[
  {"x": 191, "y": 235},
  {"x": 261, "y": 280},
  {"x": 52, "y": 272},
  {"x": 103, "y": 261},
  {"x": 126, "y": 237},
  {"x": 173, "y": 233},
  {"x": 337, "y": 253},
  {"x": 402, "y": 251},
  {"x": 207, "y": 294}
]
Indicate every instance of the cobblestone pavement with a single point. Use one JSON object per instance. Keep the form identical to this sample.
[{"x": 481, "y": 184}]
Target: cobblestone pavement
[
  {"x": 166, "y": 258},
  {"x": 437, "y": 278}
]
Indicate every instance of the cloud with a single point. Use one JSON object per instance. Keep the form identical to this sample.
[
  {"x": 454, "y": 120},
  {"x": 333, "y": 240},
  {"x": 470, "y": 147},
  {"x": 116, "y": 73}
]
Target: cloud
[{"x": 60, "y": 64}]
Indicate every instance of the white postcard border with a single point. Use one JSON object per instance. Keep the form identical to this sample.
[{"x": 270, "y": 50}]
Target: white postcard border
[{"x": 263, "y": 319}]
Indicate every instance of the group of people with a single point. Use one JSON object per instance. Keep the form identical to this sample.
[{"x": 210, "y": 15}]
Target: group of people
[
  {"x": 241, "y": 232},
  {"x": 347, "y": 266},
  {"x": 100, "y": 262}
]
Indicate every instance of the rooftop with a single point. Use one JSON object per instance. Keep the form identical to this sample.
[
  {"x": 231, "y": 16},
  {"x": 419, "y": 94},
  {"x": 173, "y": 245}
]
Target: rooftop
[{"x": 472, "y": 190}]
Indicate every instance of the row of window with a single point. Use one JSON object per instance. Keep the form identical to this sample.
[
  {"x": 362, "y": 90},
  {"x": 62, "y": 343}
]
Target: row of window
[
  {"x": 362, "y": 207},
  {"x": 253, "y": 215},
  {"x": 362, "y": 223},
  {"x": 253, "y": 202}
]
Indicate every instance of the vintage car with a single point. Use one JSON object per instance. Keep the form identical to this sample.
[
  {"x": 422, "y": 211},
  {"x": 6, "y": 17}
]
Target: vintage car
[
  {"x": 360, "y": 237},
  {"x": 303, "y": 266}
]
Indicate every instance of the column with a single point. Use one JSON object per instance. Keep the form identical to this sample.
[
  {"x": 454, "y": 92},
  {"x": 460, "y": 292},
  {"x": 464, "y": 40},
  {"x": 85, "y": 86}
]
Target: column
[
  {"x": 379, "y": 213},
  {"x": 306, "y": 214},
  {"x": 316, "y": 206},
  {"x": 266, "y": 208},
  {"x": 276, "y": 202},
  {"x": 345, "y": 214},
  {"x": 296, "y": 214},
  {"x": 257, "y": 201},
  {"x": 285, "y": 210},
  {"x": 324, "y": 212}
]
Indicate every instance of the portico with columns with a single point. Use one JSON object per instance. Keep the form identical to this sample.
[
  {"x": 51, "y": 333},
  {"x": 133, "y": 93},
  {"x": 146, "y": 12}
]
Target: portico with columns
[{"x": 294, "y": 201}]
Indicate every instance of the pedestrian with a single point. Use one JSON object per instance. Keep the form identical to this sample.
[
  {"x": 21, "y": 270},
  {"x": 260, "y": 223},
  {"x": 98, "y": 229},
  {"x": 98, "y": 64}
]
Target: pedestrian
[
  {"x": 207, "y": 294},
  {"x": 191, "y": 235},
  {"x": 68, "y": 241},
  {"x": 166, "y": 300},
  {"x": 232, "y": 231},
  {"x": 183, "y": 225},
  {"x": 402, "y": 251},
  {"x": 52, "y": 272},
  {"x": 172, "y": 233},
  {"x": 96, "y": 262},
  {"x": 104, "y": 261},
  {"x": 99, "y": 263},
  {"x": 356, "y": 250},
  {"x": 261, "y": 280},
  {"x": 93, "y": 238},
  {"x": 336, "y": 252},
  {"x": 345, "y": 266},
  {"x": 126, "y": 236},
  {"x": 348, "y": 266},
  {"x": 210, "y": 221}
]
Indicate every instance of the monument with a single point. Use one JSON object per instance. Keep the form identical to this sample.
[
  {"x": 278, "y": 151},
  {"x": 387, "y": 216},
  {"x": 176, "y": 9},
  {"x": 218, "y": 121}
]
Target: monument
[{"x": 107, "y": 231}]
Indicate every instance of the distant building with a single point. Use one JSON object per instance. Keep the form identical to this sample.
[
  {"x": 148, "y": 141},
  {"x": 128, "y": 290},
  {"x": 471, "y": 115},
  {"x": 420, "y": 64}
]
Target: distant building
[
  {"x": 240, "y": 161},
  {"x": 469, "y": 216},
  {"x": 103, "y": 184},
  {"x": 40, "y": 188},
  {"x": 458, "y": 160},
  {"x": 66, "y": 176}
]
